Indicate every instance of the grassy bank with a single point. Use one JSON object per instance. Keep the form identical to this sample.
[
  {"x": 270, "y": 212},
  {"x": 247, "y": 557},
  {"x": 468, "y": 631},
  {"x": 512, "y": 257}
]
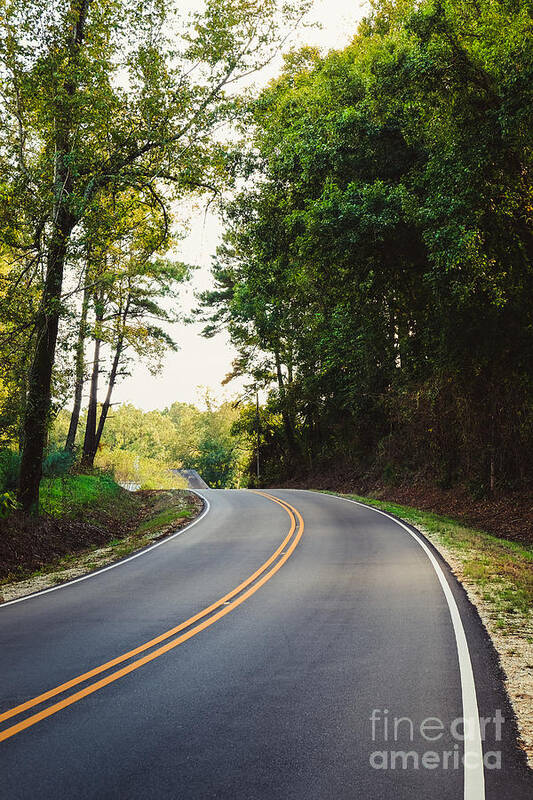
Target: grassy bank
[
  {"x": 168, "y": 510},
  {"x": 85, "y": 520},
  {"x": 71, "y": 495},
  {"x": 498, "y": 577}
]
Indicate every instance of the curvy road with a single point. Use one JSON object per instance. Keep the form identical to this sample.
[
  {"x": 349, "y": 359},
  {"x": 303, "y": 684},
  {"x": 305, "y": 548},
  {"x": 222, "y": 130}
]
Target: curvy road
[
  {"x": 287, "y": 645},
  {"x": 194, "y": 481}
]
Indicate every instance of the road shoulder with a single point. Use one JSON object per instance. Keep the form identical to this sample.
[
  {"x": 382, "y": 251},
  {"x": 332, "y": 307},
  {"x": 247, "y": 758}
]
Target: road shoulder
[
  {"x": 496, "y": 576},
  {"x": 168, "y": 512}
]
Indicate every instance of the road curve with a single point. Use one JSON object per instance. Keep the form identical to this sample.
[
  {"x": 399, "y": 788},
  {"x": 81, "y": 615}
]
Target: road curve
[
  {"x": 193, "y": 479},
  {"x": 264, "y": 653}
]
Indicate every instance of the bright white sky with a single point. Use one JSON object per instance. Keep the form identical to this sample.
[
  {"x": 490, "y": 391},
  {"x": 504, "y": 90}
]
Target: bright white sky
[{"x": 203, "y": 363}]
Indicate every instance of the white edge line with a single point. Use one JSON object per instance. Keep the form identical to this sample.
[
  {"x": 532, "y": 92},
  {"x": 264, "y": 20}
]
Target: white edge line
[
  {"x": 474, "y": 778},
  {"x": 117, "y": 563}
]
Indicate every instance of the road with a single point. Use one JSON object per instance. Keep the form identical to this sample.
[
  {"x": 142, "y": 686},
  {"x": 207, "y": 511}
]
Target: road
[
  {"x": 194, "y": 480},
  {"x": 332, "y": 620}
]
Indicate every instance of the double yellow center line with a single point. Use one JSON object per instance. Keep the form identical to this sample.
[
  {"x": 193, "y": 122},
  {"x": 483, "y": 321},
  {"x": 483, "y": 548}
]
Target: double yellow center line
[{"x": 208, "y": 616}]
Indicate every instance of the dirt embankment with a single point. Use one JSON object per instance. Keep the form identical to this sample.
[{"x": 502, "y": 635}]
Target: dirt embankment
[
  {"x": 29, "y": 545},
  {"x": 509, "y": 515}
]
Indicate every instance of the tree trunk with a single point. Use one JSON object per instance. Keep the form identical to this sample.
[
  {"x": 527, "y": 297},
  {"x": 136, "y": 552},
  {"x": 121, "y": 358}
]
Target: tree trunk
[
  {"x": 290, "y": 367},
  {"x": 287, "y": 421},
  {"x": 40, "y": 376},
  {"x": 110, "y": 386},
  {"x": 89, "y": 441},
  {"x": 80, "y": 372},
  {"x": 38, "y": 400},
  {"x": 112, "y": 375}
]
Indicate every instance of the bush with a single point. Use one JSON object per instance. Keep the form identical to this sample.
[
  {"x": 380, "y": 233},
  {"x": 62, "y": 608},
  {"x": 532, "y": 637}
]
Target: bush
[
  {"x": 57, "y": 463},
  {"x": 9, "y": 470},
  {"x": 71, "y": 494},
  {"x": 8, "y": 504}
]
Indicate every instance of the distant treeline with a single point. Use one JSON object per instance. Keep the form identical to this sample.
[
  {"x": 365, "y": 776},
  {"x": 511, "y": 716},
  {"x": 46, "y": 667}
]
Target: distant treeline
[
  {"x": 376, "y": 275},
  {"x": 143, "y": 446}
]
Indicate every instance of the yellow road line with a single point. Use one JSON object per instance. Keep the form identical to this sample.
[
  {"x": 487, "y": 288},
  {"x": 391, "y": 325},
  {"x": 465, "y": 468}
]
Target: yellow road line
[
  {"x": 12, "y": 712},
  {"x": 53, "y": 709}
]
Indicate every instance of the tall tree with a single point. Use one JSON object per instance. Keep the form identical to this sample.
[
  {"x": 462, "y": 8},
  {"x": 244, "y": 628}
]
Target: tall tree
[
  {"x": 110, "y": 94},
  {"x": 79, "y": 367},
  {"x": 381, "y": 253}
]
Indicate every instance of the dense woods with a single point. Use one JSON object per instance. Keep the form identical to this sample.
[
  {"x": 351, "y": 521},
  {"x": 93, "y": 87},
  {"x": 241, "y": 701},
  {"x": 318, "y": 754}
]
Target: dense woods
[
  {"x": 376, "y": 270},
  {"x": 376, "y": 273}
]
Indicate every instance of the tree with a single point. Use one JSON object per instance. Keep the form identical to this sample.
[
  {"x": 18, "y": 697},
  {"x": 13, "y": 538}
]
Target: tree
[
  {"x": 182, "y": 436},
  {"x": 130, "y": 284},
  {"x": 101, "y": 96},
  {"x": 376, "y": 273}
]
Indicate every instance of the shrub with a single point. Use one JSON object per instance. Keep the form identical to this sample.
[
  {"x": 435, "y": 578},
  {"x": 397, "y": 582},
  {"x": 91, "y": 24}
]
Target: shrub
[
  {"x": 9, "y": 470},
  {"x": 57, "y": 463},
  {"x": 7, "y": 504}
]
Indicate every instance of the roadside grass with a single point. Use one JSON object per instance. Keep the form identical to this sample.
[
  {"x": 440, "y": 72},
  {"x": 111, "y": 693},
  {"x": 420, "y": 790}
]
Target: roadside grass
[
  {"x": 162, "y": 520},
  {"x": 503, "y": 570},
  {"x": 170, "y": 510},
  {"x": 135, "y": 519},
  {"x": 69, "y": 495}
]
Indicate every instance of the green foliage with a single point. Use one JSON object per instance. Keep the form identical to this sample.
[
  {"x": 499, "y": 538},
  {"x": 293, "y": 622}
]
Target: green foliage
[
  {"x": 142, "y": 447},
  {"x": 9, "y": 469},
  {"x": 376, "y": 273},
  {"x": 8, "y": 504},
  {"x": 57, "y": 463},
  {"x": 109, "y": 113},
  {"x": 215, "y": 462},
  {"x": 71, "y": 494},
  {"x": 142, "y": 471},
  {"x": 206, "y": 441},
  {"x": 148, "y": 434}
]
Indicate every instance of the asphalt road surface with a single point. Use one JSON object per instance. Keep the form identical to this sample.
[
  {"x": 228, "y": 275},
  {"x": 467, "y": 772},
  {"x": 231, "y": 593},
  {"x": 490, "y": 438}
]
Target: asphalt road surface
[
  {"x": 194, "y": 481},
  {"x": 264, "y": 652}
]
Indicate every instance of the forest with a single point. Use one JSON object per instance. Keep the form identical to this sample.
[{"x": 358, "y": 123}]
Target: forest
[
  {"x": 143, "y": 447},
  {"x": 110, "y": 116},
  {"x": 376, "y": 272},
  {"x": 375, "y": 275}
]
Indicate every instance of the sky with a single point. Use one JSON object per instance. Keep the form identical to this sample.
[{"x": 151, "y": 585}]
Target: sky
[{"x": 200, "y": 363}]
